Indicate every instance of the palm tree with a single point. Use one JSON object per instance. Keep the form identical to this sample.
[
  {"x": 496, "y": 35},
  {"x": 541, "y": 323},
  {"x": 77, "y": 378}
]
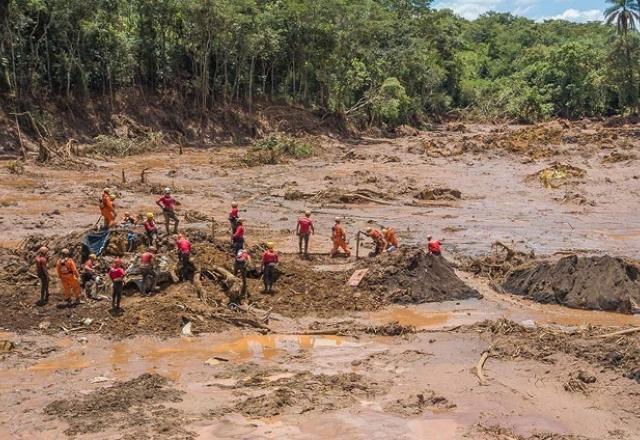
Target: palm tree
[{"x": 626, "y": 15}]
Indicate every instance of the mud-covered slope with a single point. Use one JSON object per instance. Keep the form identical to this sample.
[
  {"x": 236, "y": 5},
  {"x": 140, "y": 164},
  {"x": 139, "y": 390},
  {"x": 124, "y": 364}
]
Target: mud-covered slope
[
  {"x": 597, "y": 283},
  {"x": 411, "y": 276}
]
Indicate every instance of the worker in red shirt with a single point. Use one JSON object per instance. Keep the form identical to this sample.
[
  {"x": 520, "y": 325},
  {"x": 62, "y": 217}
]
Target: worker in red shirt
[
  {"x": 378, "y": 241},
  {"x": 89, "y": 275},
  {"x": 390, "y": 238},
  {"x": 304, "y": 229},
  {"x": 184, "y": 252},
  {"x": 269, "y": 264},
  {"x": 151, "y": 229},
  {"x": 434, "y": 246},
  {"x": 234, "y": 215},
  {"x": 116, "y": 273},
  {"x": 43, "y": 275},
  {"x": 242, "y": 261},
  {"x": 237, "y": 239},
  {"x": 147, "y": 269},
  {"x": 168, "y": 204}
]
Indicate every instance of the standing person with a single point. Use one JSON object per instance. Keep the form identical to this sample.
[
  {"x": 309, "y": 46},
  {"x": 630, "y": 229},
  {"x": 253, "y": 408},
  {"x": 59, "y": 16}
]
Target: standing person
[
  {"x": 147, "y": 269},
  {"x": 390, "y": 238},
  {"x": 116, "y": 273},
  {"x": 434, "y": 246},
  {"x": 168, "y": 205},
  {"x": 43, "y": 275},
  {"x": 68, "y": 274},
  {"x": 237, "y": 238},
  {"x": 129, "y": 223},
  {"x": 151, "y": 229},
  {"x": 304, "y": 229},
  {"x": 242, "y": 260},
  {"x": 269, "y": 263},
  {"x": 378, "y": 241},
  {"x": 339, "y": 238},
  {"x": 184, "y": 252},
  {"x": 234, "y": 215},
  {"x": 89, "y": 275},
  {"x": 107, "y": 209}
]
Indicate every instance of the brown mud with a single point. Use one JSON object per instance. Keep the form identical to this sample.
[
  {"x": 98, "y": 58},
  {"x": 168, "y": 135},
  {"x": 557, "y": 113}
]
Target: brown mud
[{"x": 320, "y": 359}]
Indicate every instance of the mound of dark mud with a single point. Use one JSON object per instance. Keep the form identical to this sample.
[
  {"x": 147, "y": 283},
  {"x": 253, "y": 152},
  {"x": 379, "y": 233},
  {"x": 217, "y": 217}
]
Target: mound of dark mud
[
  {"x": 135, "y": 405},
  {"x": 596, "y": 283},
  {"x": 411, "y": 276}
]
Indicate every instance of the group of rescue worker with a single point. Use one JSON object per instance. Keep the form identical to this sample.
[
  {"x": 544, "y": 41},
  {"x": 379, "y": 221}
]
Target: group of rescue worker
[{"x": 73, "y": 280}]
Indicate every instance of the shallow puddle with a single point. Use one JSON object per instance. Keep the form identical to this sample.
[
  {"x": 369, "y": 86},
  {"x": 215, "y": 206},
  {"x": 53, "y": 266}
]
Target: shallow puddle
[{"x": 411, "y": 317}]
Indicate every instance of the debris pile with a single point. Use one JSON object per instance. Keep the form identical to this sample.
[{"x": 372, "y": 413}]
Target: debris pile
[
  {"x": 596, "y": 283},
  {"x": 411, "y": 276},
  {"x": 558, "y": 174},
  {"x": 414, "y": 405},
  {"x": 439, "y": 194},
  {"x": 498, "y": 264}
]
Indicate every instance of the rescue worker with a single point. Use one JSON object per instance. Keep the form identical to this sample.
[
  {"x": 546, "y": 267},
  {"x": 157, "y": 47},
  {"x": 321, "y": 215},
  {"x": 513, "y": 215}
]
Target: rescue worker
[
  {"x": 128, "y": 220},
  {"x": 269, "y": 263},
  {"x": 147, "y": 269},
  {"x": 237, "y": 238},
  {"x": 68, "y": 274},
  {"x": 304, "y": 229},
  {"x": 43, "y": 275},
  {"x": 241, "y": 262},
  {"x": 390, "y": 238},
  {"x": 89, "y": 275},
  {"x": 378, "y": 241},
  {"x": 234, "y": 215},
  {"x": 339, "y": 238},
  {"x": 107, "y": 209},
  {"x": 151, "y": 229},
  {"x": 129, "y": 223},
  {"x": 434, "y": 246},
  {"x": 116, "y": 273},
  {"x": 168, "y": 205},
  {"x": 184, "y": 252}
]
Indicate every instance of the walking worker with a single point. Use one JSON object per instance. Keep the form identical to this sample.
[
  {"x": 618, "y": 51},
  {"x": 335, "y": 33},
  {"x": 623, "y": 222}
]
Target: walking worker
[
  {"x": 68, "y": 274},
  {"x": 304, "y": 229},
  {"x": 107, "y": 210},
  {"x": 168, "y": 204},
  {"x": 116, "y": 273},
  {"x": 390, "y": 238},
  {"x": 43, "y": 275},
  {"x": 237, "y": 238},
  {"x": 147, "y": 269},
  {"x": 434, "y": 246},
  {"x": 184, "y": 253},
  {"x": 269, "y": 263},
  {"x": 339, "y": 238},
  {"x": 234, "y": 215},
  {"x": 151, "y": 229},
  {"x": 378, "y": 241}
]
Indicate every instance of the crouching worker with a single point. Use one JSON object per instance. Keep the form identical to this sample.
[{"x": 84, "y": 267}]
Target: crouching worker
[
  {"x": 378, "y": 241},
  {"x": 68, "y": 274},
  {"x": 390, "y": 238},
  {"x": 269, "y": 263},
  {"x": 147, "y": 269},
  {"x": 434, "y": 246},
  {"x": 116, "y": 273}
]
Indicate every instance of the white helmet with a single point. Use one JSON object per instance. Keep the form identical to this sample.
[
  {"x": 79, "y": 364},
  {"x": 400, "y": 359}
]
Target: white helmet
[{"x": 167, "y": 190}]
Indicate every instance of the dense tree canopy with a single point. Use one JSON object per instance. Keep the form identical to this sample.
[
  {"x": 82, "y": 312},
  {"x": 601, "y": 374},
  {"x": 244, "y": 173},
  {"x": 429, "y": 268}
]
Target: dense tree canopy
[{"x": 386, "y": 61}]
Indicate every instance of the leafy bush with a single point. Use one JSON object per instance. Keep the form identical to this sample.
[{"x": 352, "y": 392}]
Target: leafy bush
[
  {"x": 105, "y": 145},
  {"x": 15, "y": 167},
  {"x": 277, "y": 148}
]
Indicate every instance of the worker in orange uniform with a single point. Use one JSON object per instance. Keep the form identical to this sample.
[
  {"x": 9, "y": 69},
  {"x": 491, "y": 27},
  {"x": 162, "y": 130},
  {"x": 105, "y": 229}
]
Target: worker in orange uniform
[
  {"x": 378, "y": 241},
  {"x": 434, "y": 246},
  {"x": 339, "y": 237},
  {"x": 107, "y": 209},
  {"x": 43, "y": 275},
  {"x": 68, "y": 274},
  {"x": 269, "y": 264},
  {"x": 234, "y": 215},
  {"x": 390, "y": 238},
  {"x": 304, "y": 229}
]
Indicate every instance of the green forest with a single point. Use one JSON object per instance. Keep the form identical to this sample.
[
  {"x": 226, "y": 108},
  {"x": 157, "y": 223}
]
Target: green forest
[{"x": 380, "y": 61}]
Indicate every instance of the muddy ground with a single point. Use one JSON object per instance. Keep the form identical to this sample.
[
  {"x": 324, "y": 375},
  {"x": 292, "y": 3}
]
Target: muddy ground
[{"x": 397, "y": 356}]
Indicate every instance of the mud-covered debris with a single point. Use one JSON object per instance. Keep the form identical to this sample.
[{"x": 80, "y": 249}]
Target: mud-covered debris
[
  {"x": 391, "y": 329},
  {"x": 575, "y": 198},
  {"x": 502, "y": 259},
  {"x": 595, "y": 283},
  {"x": 193, "y": 216},
  {"x": 6, "y": 346},
  {"x": 294, "y": 194},
  {"x": 411, "y": 276},
  {"x": 617, "y": 156},
  {"x": 414, "y": 405},
  {"x": 558, "y": 174},
  {"x": 439, "y": 194},
  {"x": 122, "y": 406}
]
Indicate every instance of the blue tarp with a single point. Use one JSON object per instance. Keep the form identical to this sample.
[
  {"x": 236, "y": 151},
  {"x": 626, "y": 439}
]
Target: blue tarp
[{"x": 95, "y": 242}]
